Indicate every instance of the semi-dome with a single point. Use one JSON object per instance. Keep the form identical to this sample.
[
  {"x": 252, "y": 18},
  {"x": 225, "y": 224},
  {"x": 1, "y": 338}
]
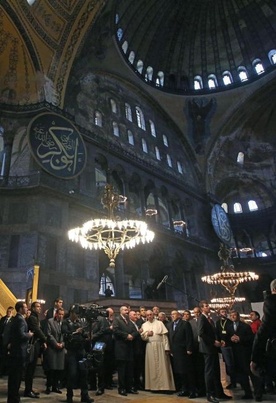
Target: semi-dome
[{"x": 197, "y": 46}]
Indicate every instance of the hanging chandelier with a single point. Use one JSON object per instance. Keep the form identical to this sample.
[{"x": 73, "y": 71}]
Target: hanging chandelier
[
  {"x": 228, "y": 277},
  {"x": 111, "y": 234}
]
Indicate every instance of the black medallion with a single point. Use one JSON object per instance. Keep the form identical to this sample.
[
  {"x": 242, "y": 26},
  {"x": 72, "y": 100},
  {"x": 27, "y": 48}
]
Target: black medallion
[
  {"x": 221, "y": 224},
  {"x": 57, "y": 145}
]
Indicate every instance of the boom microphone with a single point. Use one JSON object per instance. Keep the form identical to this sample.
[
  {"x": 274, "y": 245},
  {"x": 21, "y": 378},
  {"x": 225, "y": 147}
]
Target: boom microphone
[{"x": 165, "y": 278}]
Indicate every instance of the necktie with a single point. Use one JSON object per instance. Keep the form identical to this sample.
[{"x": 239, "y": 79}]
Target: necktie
[
  {"x": 235, "y": 326},
  {"x": 174, "y": 325}
]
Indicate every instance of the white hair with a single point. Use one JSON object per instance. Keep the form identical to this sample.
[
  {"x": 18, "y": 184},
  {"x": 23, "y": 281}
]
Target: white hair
[{"x": 273, "y": 286}]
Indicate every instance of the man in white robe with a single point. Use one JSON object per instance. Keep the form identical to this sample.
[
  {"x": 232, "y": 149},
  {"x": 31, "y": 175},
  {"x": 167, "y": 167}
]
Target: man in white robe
[{"x": 158, "y": 371}]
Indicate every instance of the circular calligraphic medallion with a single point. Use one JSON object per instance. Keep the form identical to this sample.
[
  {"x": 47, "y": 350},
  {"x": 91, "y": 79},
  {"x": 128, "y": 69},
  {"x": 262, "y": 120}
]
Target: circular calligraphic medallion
[
  {"x": 221, "y": 224},
  {"x": 57, "y": 145}
]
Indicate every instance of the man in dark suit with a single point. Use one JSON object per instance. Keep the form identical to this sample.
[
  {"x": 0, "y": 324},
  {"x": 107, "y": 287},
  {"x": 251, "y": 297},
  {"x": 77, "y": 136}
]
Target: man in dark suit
[
  {"x": 18, "y": 351},
  {"x": 209, "y": 346},
  {"x": 52, "y": 311},
  {"x": 40, "y": 340},
  {"x": 124, "y": 352},
  {"x": 139, "y": 346},
  {"x": 197, "y": 367},
  {"x": 5, "y": 326},
  {"x": 241, "y": 339},
  {"x": 181, "y": 347},
  {"x": 262, "y": 360}
]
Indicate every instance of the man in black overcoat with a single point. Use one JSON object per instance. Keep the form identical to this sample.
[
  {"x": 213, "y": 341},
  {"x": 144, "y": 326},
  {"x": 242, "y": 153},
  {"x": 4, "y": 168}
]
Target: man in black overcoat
[
  {"x": 241, "y": 339},
  {"x": 124, "y": 352},
  {"x": 40, "y": 340},
  {"x": 20, "y": 337},
  {"x": 262, "y": 360},
  {"x": 209, "y": 347},
  {"x": 181, "y": 347}
]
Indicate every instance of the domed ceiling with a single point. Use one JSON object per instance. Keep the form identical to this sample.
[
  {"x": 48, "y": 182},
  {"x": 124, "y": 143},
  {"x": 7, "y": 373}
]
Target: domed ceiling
[{"x": 197, "y": 46}]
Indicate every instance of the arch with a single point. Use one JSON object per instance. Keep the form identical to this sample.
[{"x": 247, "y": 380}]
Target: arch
[
  {"x": 237, "y": 208},
  {"x": 125, "y": 46},
  {"x": 169, "y": 160},
  {"x": 116, "y": 130},
  {"x": 160, "y": 79},
  {"x": 157, "y": 153},
  {"x": 131, "y": 57},
  {"x": 212, "y": 81},
  {"x": 98, "y": 119},
  {"x": 198, "y": 83},
  {"x": 227, "y": 78},
  {"x": 272, "y": 56},
  {"x": 128, "y": 112},
  {"x": 144, "y": 146},
  {"x": 140, "y": 66},
  {"x": 140, "y": 118},
  {"x": 258, "y": 66},
  {"x": 130, "y": 137},
  {"x": 165, "y": 140},
  {"x": 240, "y": 158},
  {"x": 242, "y": 72},
  {"x": 149, "y": 73},
  {"x": 113, "y": 105},
  {"x": 120, "y": 34},
  {"x": 152, "y": 128}
]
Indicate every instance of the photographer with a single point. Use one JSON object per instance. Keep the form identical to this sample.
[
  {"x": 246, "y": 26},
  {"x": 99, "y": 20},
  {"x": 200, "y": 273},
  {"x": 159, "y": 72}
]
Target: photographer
[
  {"x": 264, "y": 346},
  {"x": 103, "y": 332},
  {"x": 75, "y": 337}
]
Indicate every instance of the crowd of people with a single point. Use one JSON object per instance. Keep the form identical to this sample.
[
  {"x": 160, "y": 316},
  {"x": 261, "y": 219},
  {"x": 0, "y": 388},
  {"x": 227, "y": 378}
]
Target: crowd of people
[{"x": 147, "y": 349}]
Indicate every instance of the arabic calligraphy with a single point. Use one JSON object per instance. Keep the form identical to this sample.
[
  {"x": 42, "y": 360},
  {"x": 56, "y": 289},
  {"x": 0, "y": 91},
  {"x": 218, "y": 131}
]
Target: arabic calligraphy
[{"x": 57, "y": 145}]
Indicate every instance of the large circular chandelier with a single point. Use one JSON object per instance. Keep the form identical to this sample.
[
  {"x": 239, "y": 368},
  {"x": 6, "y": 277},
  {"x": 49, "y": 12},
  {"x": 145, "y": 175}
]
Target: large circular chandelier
[
  {"x": 228, "y": 277},
  {"x": 111, "y": 234}
]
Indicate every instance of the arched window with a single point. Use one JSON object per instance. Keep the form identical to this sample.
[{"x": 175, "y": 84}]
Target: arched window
[
  {"x": 98, "y": 119},
  {"x": 198, "y": 83},
  {"x": 225, "y": 207},
  {"x": 131, "y": 57},
  {"x": 258, "y": 66},
  {"x": 160, "y": 79},
  {"x": 252, "y": 205},
  {"x": 130, "y": 137},
  {"x": 144, "y": 146},
  {"x": 240, "y": 158},
  {"x": 120, "y": 33},
  {"x": 149, "y": 73},
  {"x": 227, "y": 78},
  {"x": 106, "y": 283},
  {"x": 212, "y": 81},
  {"x": 116, "y": 18},
  {"x": 237, "y": 208},
  {"x": 128, "y": 112},
  {"x": 242, "y": 73},
  {"x": 125, "y": 46},
  {"x": 272, "y": 56},
  {"x": 140, "y": 66},
  {"x": 116, "y": 130},
  {"x": 165, "y": 140},
  {"x": 157, "y": 153},
  {"x": 100, "y": 176},
  {"x": 113, "y": 106},
  {"x": 169, "y": 160},
  {"x": 31, "y": 2},
  {"x": 140, "y": 118},
  {"x": 152, "y": 128},
  {"x": 179, "y": 167}
]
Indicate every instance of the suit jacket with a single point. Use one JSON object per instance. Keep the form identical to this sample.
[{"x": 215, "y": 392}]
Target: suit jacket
[
  {"x": 194, "y": 325},
  {"x": 207, "y": 336},
  {"x": 242, "y": 349},
  {"x": 123, "y": 347},
  {"x": 50, "y": 313},
  {"x": 19, "y": 339},
  {"x": 101, "y": 332},
  {"x": 181, "y": 341},
  {"x": 266, "y": 331},
  {"x": 34, "y": 325}
]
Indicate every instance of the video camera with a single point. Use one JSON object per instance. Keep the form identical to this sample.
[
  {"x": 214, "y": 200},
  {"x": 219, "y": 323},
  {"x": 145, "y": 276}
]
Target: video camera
[{"x": 90, "y": 313}]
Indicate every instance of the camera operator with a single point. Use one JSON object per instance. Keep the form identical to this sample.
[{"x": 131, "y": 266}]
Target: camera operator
[
  {"x": 264, "y": 346},
  {"x": 75, "y": 337},
  {"x": 103, "y": 332}
]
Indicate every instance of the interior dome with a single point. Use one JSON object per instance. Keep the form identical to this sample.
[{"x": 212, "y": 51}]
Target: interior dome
[{"x": 197, "y": 46}]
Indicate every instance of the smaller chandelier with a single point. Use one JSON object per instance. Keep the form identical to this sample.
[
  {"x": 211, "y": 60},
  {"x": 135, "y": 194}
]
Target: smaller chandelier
[
  {"x": 226, "y": 302},
  {"x": 111, "y": 234},
  {"x": 228, "y": 277}
]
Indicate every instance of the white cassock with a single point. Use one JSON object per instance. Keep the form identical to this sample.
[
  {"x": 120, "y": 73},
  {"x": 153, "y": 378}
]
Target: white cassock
[{"x": 158, "y": 370}]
